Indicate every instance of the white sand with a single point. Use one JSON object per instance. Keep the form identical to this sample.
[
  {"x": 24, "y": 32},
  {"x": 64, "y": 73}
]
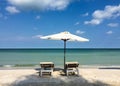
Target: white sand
[{"x": 88, "y": 77}]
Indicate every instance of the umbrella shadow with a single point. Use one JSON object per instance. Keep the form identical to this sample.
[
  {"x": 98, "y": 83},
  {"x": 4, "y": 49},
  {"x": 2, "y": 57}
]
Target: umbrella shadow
[{"x": 36, "y": 80}]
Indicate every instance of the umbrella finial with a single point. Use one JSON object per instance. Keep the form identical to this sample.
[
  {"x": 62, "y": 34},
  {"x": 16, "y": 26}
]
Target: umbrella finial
[{"x": 65, "y": 32}]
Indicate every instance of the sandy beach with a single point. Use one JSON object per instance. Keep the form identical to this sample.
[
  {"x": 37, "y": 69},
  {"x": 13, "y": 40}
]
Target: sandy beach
[{"x": 88, "y": 77}]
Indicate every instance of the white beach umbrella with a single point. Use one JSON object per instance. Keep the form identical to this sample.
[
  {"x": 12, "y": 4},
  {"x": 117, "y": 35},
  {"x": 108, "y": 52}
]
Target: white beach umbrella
[{"x": 65, "y": 36}]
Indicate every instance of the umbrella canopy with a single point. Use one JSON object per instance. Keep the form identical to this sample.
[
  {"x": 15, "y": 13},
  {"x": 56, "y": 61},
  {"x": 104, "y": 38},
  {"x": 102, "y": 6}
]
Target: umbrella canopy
[{"x": 65, "y": 36}]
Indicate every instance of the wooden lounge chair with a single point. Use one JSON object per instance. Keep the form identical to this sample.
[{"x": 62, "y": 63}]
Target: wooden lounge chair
[
  {"x": 46, "y": 68},
  {"x": 72, "y": 67}
]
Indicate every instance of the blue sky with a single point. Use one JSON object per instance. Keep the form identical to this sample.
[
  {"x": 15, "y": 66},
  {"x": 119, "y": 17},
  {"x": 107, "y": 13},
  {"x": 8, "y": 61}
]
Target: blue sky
[{"x": 22, "y": 21}]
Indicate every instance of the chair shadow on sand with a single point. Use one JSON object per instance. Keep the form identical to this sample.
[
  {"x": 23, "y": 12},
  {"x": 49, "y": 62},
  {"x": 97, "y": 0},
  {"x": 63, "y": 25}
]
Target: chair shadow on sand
[{"x": 36, "y": 80}]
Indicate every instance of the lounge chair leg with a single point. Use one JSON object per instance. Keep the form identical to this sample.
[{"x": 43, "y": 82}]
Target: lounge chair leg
[
  {"x": 66, "y": 73},
  {"x": 77, "y": 69},
  {"x": 39, "y": 73}
]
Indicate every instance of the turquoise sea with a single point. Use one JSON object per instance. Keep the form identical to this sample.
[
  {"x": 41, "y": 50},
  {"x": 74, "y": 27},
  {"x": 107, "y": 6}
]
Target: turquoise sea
[{"x": 102, "y": 57}]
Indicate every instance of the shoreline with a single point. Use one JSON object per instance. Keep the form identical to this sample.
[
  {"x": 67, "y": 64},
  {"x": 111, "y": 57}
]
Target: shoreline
[{"x": 37, "y": 66}]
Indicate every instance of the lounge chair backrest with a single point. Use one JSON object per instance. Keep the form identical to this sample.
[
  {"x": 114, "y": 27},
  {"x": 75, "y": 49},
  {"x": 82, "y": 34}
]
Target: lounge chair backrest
[
  {"x": 47, "y": 65},
  {"x": 72, "y": 65}
]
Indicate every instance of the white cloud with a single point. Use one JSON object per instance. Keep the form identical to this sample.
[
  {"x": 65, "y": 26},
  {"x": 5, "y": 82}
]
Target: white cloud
[
  {"x": 12, "y": 9},
  {"x": 113, "y": 24},
  {"x": 1, "y": 15},
  {"x": 108, "y": 13},
  {"x": 20, "y": 38},
  {"x": 118, "y": 38},
  {"x": 35, "y": 28},
  {"x": 86, "y": 14},
  {"x": 77, "y": 23},
  {"x": 110, "y": 32},
  {"x": 38, "y": 17},
  {"x": 15, "y": 38},
  {"x": 41, "y": 4},
  {"x": 79, "y": 32},
  {"x": 37, "y": 36},
  {"x": 5, "y": 17},
  {"x": 93, "y": 22}
]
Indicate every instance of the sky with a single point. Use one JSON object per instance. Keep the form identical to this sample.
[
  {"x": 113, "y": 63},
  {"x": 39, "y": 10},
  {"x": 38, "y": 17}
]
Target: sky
[{"x": 22, "y": 22}]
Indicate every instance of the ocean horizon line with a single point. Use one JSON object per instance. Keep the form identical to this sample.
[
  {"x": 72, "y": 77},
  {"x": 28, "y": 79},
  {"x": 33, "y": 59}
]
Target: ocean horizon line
[{"x": 63, "y": 48}]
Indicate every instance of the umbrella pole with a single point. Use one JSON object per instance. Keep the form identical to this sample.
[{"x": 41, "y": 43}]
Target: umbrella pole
[{"x": 64, "y": 54}]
